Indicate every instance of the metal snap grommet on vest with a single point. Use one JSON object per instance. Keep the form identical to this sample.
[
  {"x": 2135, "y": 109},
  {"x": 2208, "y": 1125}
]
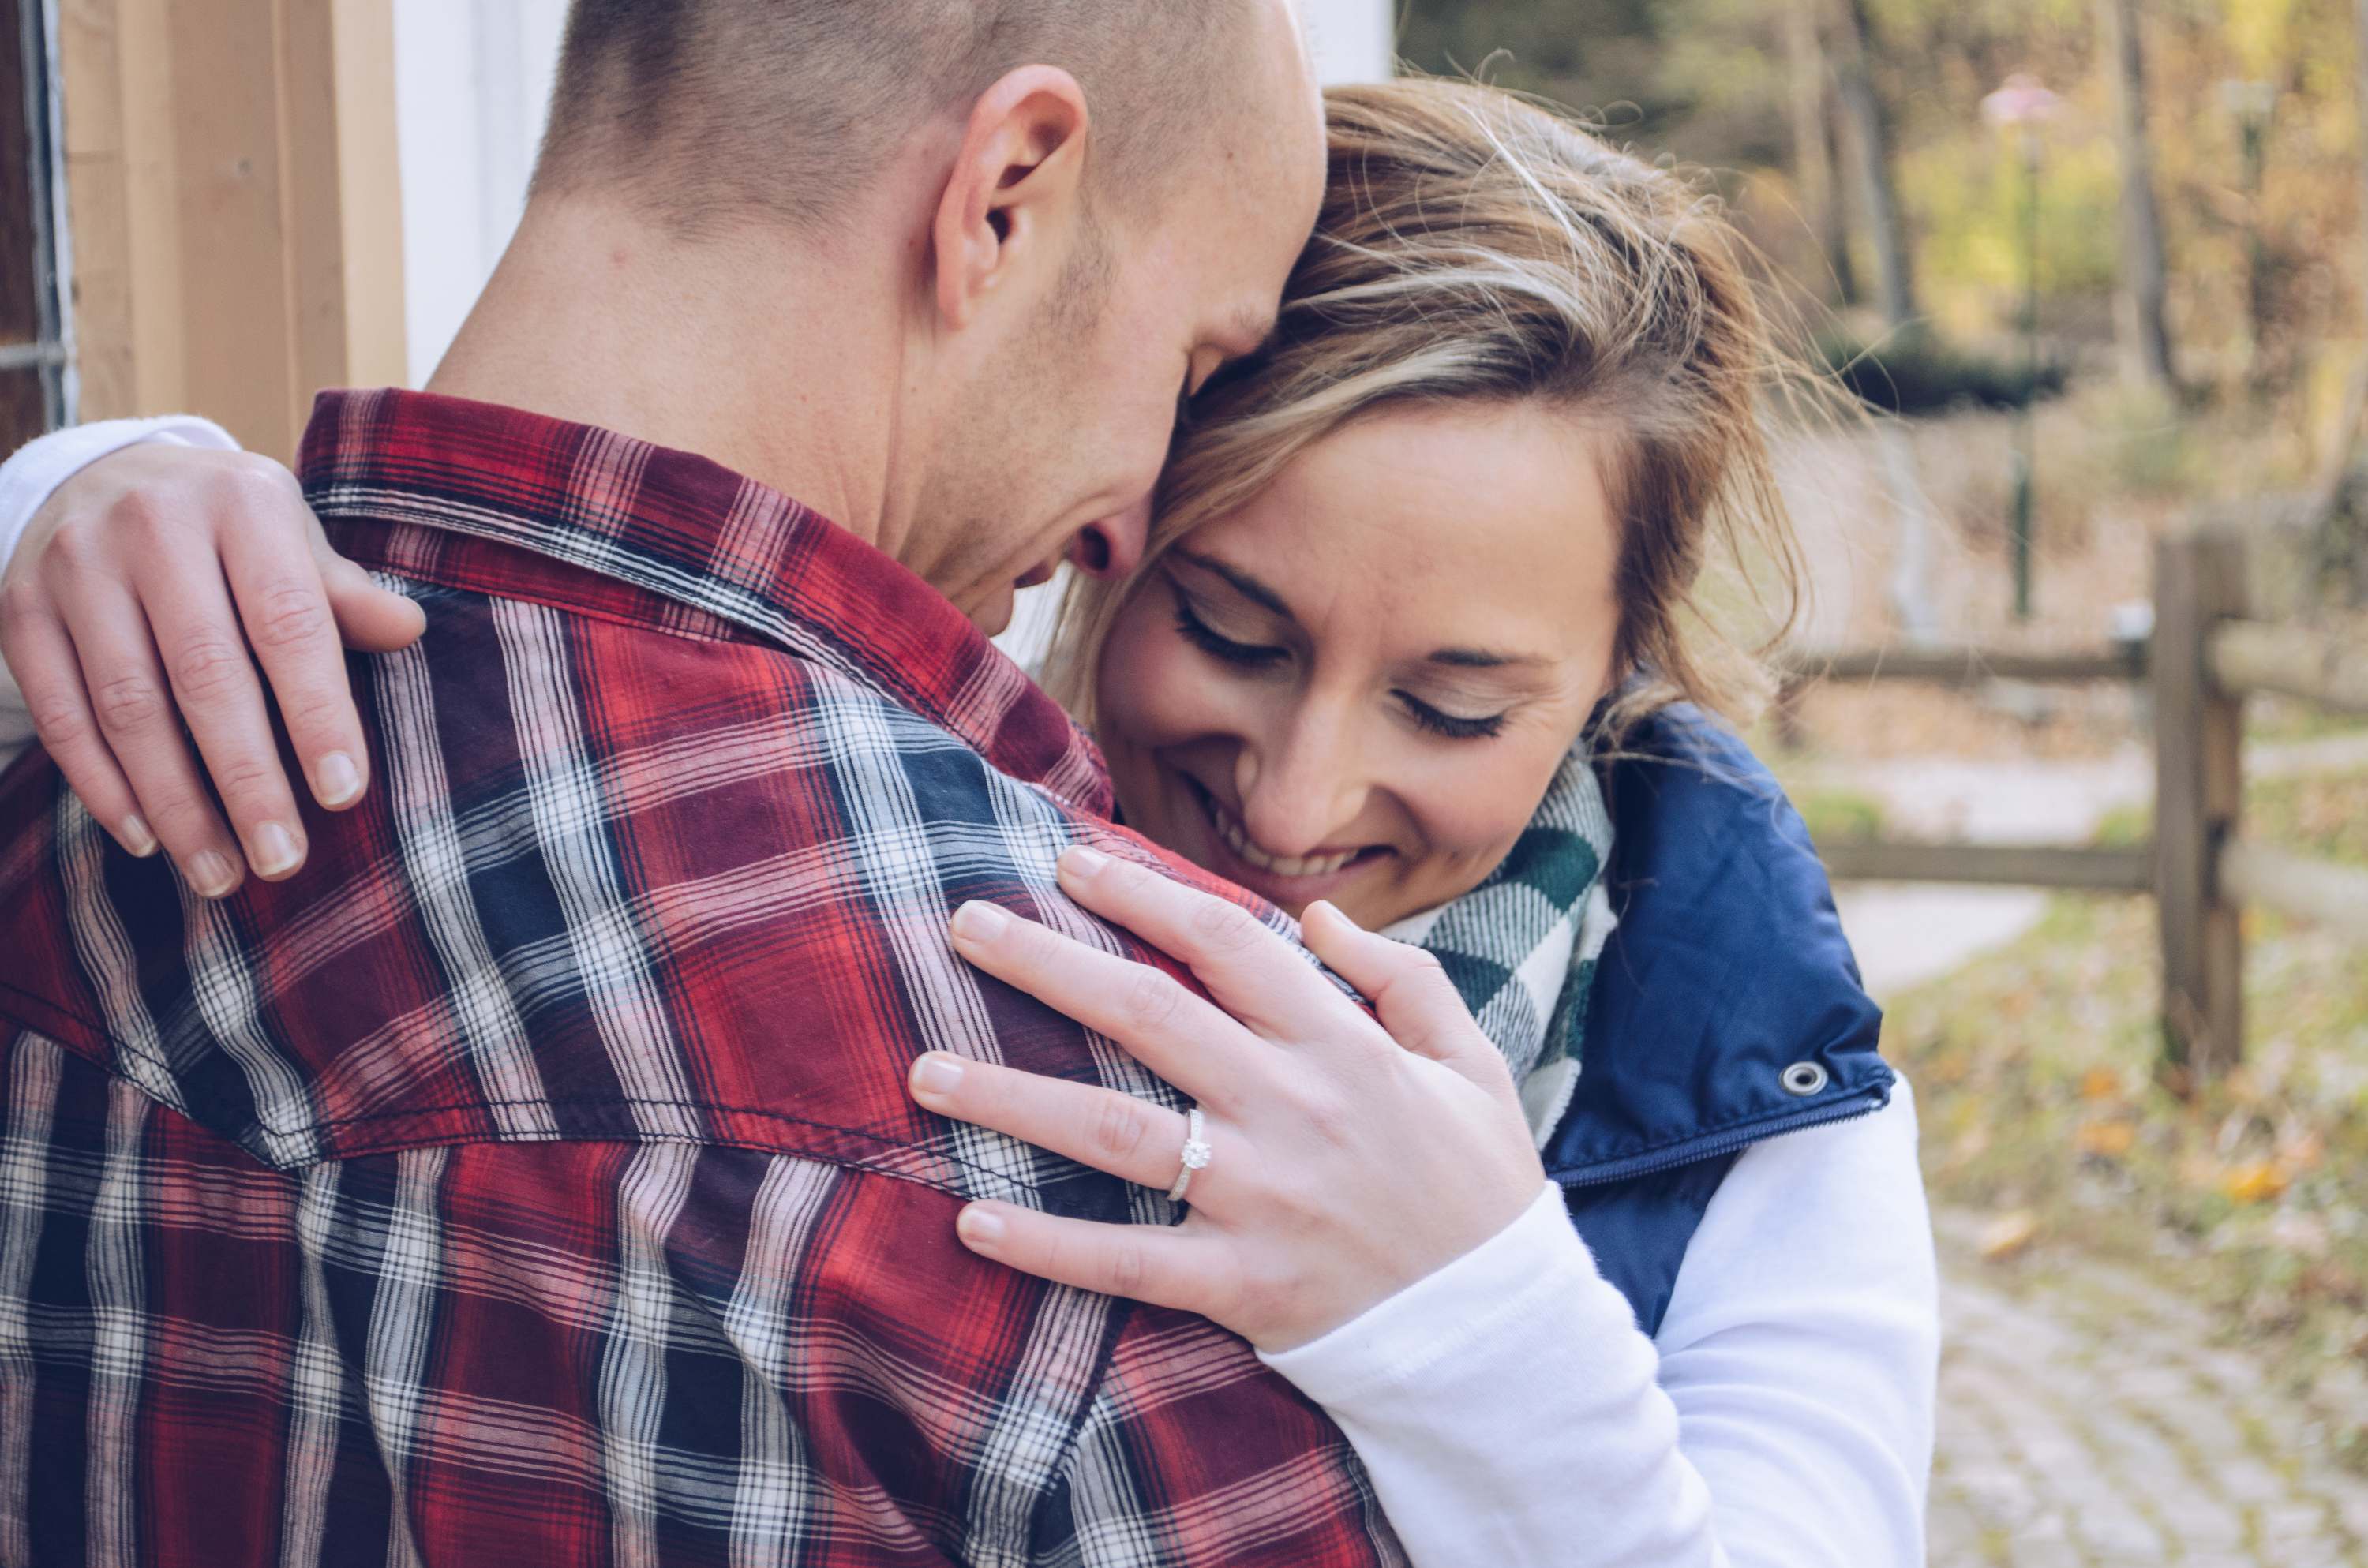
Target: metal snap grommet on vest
[{"x": 1803, "y": 1079}]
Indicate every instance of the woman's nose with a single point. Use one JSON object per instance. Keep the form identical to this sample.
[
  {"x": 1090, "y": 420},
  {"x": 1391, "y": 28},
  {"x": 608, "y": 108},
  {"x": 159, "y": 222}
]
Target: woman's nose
[{"x": 1300, "y": 794}]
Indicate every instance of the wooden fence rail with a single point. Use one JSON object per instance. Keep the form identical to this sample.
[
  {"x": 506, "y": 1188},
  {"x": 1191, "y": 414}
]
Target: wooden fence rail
[
  {"x": 2009, "y": 865},
  {"x": 2203, "y": 660},
  {"x": 2335, "y": 896},
  {"x": 1970, "y": 667},
  {"x": 2294, "y": 660}
]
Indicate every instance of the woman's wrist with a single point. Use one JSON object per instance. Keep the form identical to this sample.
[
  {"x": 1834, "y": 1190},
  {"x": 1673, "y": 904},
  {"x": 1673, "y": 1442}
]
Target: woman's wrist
[
  {"x": 29, "y": 477},
  {"x": 1433, "y": 1319}
]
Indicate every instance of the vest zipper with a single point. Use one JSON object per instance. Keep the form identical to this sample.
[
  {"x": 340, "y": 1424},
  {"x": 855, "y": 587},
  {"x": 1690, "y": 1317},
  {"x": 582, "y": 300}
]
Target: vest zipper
[{"x": 1865, "y": 1103}]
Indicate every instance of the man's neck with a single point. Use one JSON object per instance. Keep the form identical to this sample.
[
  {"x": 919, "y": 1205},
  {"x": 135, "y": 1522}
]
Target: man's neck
[{"x": 774, "y": 355}]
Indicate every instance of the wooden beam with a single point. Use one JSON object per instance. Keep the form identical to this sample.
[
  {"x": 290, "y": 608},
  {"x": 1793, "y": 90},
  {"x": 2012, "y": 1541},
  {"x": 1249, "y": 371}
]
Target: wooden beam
[
  {"x": 2299, "y": 660},
  {"x": 1967, "y": 666},
  {"x": 369, "y": 193},
  {"x": 2199, "y": 582},
  {"x": 2334, "y": 896},
  {"x": 231, "y": 177},
  {"x": 2003, "y": 864},
  {"x": 240, "y": 272}
]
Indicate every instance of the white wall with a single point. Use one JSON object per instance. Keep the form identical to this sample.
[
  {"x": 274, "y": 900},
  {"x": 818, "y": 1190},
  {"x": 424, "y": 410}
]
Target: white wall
[
  {"x": 472, "y": 80},
  {"x": 1353, "y": 39}
]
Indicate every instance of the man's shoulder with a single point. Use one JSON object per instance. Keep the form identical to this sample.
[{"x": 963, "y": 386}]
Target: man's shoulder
[{"x": 612, "y": 884}]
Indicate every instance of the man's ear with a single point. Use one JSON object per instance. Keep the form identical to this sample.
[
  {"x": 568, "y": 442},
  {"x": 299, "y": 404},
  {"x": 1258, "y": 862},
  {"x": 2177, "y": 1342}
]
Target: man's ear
[{"x": 1016, "y": 186}]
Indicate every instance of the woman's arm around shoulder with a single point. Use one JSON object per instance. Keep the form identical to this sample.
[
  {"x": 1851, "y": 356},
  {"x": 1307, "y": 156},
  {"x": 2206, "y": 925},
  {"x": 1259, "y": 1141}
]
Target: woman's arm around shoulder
[
  {"x": 29, "y": 478},
  {"x": 147, "y": 568}
]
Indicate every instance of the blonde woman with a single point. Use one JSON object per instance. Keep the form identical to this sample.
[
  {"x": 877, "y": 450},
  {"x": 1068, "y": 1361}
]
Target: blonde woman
[{"x": 1423, "y": 589}]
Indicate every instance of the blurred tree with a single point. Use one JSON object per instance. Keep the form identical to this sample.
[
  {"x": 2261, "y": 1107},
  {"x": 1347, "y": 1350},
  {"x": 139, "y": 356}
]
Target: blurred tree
[
  {"x": 2138, "y": 331},
  {"x": 1720, "y": 84},
  {"x": 1813, "y": 159},
  {"x": 1867, "y": 144}
]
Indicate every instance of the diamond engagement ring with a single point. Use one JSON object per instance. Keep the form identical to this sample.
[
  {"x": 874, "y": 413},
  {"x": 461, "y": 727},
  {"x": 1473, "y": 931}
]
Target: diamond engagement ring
[{"x": 1196, "y": 1156}]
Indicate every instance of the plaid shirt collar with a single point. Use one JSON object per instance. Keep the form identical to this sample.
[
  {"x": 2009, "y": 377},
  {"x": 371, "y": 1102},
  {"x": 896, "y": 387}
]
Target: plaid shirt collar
[{"x": 704, "y": 549}]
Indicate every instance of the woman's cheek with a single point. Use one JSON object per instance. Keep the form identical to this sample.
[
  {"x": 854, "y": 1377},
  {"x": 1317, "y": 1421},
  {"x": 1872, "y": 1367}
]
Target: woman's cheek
[
  {"x": 1156, "y": 690},
  {"x": 1478, "y": 803}
]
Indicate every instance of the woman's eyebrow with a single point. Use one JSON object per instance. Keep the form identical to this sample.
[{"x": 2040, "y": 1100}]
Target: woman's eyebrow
[{"x": 1242, "y": 583}]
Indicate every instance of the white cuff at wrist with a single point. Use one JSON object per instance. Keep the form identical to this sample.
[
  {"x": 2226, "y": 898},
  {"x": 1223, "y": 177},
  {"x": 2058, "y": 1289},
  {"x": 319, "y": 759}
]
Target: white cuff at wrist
[
  {"x": 29, "y": 478},
  {"x": 1432, "y": 1318}
]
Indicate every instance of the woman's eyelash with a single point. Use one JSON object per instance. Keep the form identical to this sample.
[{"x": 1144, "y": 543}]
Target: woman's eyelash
[
  {"x": 1429, "y": 718},
  {"x": 1225, "y": 650},
  {"x": 1254, "y": 656}
]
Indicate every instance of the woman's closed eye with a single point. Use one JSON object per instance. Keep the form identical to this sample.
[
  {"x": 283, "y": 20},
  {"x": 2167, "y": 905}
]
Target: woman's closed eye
[
  {"x": 1225, "y": 650},
  {"x": 1452, "y": 726}
]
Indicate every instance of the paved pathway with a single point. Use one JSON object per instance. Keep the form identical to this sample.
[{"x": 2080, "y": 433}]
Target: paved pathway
[{"x": 2088, "y": 1419}]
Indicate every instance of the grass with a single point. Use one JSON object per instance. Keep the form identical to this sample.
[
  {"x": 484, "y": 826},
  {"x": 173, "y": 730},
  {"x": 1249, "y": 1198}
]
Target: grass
[
  {"x": 1836, "y": 816},
  {"x": 2034, "y": 1072},
  {"x": 2268, "y": 717},
  {"x": 2320, "y": 814}
]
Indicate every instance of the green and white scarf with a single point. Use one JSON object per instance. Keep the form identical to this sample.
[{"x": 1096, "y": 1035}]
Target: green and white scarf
[{"x": 1521, "y": 947}]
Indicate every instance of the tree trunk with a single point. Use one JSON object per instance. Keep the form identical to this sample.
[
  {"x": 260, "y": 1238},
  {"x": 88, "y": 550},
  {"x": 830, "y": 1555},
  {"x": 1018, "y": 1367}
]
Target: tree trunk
[
  {"x": 1812, "y": 157},
  {"x": 2360, "y": 74},
  {"x": 2137, "y": 304},
  {"x": 2333, "y": 463},
  {"x": 1869, "y": 150}
]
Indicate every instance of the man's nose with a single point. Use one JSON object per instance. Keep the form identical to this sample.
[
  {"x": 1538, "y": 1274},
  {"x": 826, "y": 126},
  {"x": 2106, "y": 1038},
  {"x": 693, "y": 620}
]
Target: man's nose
[{"x": 1113, "y": 547}]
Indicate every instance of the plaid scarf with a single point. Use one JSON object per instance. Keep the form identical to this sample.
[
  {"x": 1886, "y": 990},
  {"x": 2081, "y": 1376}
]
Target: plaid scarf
[{"x": 1521, "y": 947}]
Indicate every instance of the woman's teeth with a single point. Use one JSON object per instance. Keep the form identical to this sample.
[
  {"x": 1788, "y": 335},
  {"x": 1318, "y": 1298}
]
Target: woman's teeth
[{"x": 1280, "y": 865}]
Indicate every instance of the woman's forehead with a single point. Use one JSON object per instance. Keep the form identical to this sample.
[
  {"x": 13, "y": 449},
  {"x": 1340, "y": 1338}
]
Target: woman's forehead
[{"x": 1435, "y": 518}]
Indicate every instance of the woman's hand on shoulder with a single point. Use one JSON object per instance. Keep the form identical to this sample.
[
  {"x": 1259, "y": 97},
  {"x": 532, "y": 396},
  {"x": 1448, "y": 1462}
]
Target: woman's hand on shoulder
[
  {"x": 141, "y": 597},
  {"x": 1348, "y": 1158}
]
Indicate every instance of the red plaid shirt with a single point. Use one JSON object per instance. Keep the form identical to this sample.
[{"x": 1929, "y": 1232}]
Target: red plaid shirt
[{"x": 531, "y": 1180}]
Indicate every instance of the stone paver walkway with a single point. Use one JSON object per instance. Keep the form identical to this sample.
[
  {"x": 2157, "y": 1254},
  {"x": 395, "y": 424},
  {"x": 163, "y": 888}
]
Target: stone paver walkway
[{"x": 2088, "y": 1418}]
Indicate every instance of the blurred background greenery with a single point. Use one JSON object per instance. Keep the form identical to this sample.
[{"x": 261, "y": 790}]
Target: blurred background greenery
[{"x": 2251, "y": 123}]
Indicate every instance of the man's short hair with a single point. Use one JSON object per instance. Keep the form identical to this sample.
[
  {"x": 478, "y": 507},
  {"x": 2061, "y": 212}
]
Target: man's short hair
[{"x": 713, "y": 110}]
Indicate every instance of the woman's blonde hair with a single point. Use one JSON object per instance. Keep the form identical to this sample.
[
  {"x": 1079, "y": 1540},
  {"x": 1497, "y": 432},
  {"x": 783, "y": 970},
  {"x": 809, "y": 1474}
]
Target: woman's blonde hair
[{"x": 1474, "y": 247}]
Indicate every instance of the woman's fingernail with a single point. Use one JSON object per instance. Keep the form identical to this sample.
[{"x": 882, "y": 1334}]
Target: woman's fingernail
[
  {"x": 1083, "y": 860},
  {"x": 275, "y": 851},
  {"x": 980, "y": 1227},
  {"x": 137, "y": 838},
  {"x": 211, "y": 874},
  {"x": 979, "y": 922},
  {"x": 338, "y": 780},
  {"x": 937, "y": 1073}
]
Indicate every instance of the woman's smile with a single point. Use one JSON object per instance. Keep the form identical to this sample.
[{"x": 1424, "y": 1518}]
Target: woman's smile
[
  {"x": 1358, "y": 686},
  {"x": 1237, "y": 839},
  {"x": 1294, "y": 881}
]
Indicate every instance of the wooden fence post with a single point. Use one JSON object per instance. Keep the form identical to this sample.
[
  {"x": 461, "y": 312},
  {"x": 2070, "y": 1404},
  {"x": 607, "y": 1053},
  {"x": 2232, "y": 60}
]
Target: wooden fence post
[{"x": 2199, "y": 580}]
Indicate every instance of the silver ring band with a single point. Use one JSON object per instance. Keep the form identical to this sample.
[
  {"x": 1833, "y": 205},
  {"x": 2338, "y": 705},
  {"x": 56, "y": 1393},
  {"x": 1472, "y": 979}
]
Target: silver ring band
[{"x": 1196, "y": 1156}]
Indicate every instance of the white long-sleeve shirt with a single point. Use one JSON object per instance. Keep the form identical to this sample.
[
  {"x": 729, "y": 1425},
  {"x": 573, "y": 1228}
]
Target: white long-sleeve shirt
[{"x": 1508, "y": 1408}]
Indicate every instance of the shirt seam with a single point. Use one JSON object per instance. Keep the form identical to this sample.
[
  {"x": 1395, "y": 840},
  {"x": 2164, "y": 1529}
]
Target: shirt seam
[{"x": 618, "y": 1101}]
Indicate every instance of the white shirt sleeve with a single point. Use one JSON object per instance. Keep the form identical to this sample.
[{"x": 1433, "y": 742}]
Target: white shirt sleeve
[
  {"x": 1510, "y": 1411},
  {"x": 27, "y": 479}
]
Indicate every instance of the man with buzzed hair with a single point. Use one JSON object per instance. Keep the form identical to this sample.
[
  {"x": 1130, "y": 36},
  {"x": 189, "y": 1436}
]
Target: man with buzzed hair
[
  {"x": 533, "y": 1179},
  {"x": 721, "y": 107}
]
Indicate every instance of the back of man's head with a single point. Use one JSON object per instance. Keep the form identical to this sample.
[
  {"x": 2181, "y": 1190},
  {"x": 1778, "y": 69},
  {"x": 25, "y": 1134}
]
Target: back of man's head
[{"x": 712, "y": 111}]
